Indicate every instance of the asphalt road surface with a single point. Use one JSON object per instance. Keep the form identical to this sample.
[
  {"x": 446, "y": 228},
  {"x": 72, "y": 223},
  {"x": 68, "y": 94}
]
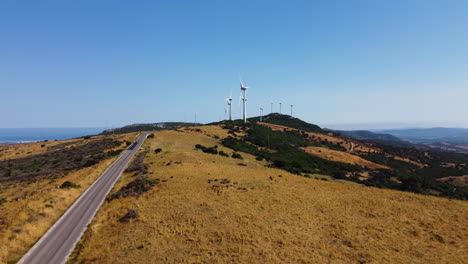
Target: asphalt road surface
[{"x": 58, "y": 243}]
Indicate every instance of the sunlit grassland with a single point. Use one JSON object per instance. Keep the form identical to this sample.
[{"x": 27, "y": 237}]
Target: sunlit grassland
[{"x": 266, "y": 215}]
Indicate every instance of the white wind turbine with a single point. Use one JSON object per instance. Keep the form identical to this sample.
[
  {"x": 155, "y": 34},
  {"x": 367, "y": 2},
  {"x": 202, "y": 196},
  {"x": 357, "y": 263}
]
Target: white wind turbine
[
  {"x": 229, "y": 102},
  {"x": 244, "y": 100}
]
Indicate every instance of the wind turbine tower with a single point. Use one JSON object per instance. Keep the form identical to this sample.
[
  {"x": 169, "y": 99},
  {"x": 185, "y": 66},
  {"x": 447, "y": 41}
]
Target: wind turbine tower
[
  {"x": 229, "y": 102},
  {"x": 261, "y": 114},
  {"x": 280, "y": 108},
  {"x": 244, "y": 100},
  {"x": 292, "y": 110},
  {"x": 271, "y": 108}
]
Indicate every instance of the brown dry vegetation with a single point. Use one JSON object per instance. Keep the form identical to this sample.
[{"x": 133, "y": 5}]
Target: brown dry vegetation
[
  {"x": 30, "y": 208},
  {"x": 359, "y": 147},
  {"x": 461, "y": 181},
  {"x": 341, "y": 156},
  {"x": 209, "y": 209},
  {"x": 24, "y": 150}
]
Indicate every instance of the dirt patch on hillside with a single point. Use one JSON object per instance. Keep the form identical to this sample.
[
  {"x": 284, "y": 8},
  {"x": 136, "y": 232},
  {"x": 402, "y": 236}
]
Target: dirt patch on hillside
[
  {"x": 419, "y": 164},
  {"x": 344, "y": 157},
  {"x": 461, "y": 181}
]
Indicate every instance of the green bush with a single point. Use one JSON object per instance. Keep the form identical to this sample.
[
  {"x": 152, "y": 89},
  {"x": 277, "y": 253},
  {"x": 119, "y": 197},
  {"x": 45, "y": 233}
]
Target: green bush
[
  {"x": 212, "y": 150},
  {"x": 157, "y": 150},
  {"x": 224, "y": 154},
  {"x": 69, "y": 184},
  {"x": 237, "y": 156}
]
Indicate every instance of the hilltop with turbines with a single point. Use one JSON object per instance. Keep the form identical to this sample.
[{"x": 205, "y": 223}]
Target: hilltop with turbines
[{"x": 243, "y": 98}]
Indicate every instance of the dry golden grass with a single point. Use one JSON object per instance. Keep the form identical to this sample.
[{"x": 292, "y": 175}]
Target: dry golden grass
[
  {"x": 279, "y": 218},
  {"x": 343, "y": 157},
  {"x": 419, "y": 164},
  {"x": 25, "y": 218}
]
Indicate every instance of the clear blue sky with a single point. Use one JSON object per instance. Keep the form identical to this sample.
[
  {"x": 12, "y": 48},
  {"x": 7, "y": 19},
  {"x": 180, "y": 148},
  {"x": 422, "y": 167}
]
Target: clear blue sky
[{"x": 347, "y": 64}]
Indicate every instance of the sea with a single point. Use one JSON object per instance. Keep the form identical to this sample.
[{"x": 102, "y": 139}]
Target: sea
[{"x": 27, "y": 135}]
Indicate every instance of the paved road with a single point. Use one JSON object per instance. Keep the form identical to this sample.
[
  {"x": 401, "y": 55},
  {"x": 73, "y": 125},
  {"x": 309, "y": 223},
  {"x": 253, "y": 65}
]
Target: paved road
[{"x": 58, "y": 243}]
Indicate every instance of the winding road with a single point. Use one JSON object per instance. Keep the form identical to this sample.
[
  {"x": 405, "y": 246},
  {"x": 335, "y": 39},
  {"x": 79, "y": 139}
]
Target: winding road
[{"x": 59, "y": 241}]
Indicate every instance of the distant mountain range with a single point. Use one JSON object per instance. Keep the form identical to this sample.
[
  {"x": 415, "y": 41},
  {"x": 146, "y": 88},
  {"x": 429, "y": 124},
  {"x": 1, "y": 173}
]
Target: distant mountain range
[
  {"x": 446, "y": 139},
  {"x": 430, "y": 135},
  {"x": 368, "y": 135}
]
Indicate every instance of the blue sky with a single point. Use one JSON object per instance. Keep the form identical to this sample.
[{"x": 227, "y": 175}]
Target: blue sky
[{"x": 343, "y": 64}]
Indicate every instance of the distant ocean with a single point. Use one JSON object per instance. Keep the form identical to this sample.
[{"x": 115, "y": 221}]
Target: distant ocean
[{"x": 24, "y": 135}]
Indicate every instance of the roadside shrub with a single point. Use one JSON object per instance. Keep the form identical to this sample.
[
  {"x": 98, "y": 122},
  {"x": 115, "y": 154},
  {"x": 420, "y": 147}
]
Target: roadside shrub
[
  {"x": 43, "y": 145},
  {"x": 132, "y": 214},
  {"x": 137, "y": 164},
  {"x": 69, "y": 184},
  {"x": 86, "y": 137},
  {"x": 157, "y": 150},
  {"x": 150, "y": 136},
  {"x": 114, "y": 152},
  {"x": 135, "y": 188}
]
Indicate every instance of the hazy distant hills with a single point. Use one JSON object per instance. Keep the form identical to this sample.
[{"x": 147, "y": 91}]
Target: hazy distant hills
[
  {"x": 368, "y": 135},
  {"x": 431, "y": 135},
  {"x": 447, "y": 139}
]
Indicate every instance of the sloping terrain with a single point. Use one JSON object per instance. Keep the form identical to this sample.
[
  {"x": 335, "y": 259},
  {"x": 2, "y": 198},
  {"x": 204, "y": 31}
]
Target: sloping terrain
[
  {"x": 412, "y": 169},
  {"x": 329, "y": 137},
  {"x": 342, "y": 156},
  {"x": 211, "y": 208},
  {"x": 45, "y": 179}
]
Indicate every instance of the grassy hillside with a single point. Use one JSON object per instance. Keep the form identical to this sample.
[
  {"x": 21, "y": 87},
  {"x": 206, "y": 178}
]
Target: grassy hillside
[
  {"x": 39, "y": 181},
  {"x": 188, "y": 205}
]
